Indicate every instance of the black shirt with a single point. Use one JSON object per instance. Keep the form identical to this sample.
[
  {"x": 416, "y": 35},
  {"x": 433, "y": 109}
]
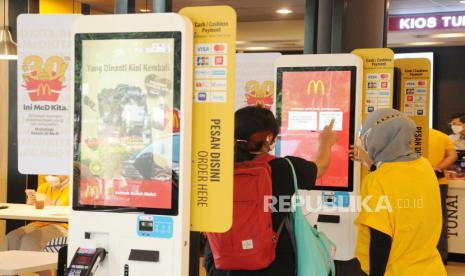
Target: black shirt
[{"x": 283, "y": 185}]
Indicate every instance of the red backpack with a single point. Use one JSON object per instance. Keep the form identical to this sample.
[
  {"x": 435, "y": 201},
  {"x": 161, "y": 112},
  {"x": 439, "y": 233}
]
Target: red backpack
[{"x": 250, "y": 244}]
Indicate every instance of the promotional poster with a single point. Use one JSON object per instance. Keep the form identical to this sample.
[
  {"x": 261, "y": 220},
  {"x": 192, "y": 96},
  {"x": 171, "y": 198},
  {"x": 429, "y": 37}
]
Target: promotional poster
[
  {"x": 309, "y": 101},
  {"x": 44, "y": 94},
  {"x": 130, "y": 120},
  {"x": 255, "y": 83}
]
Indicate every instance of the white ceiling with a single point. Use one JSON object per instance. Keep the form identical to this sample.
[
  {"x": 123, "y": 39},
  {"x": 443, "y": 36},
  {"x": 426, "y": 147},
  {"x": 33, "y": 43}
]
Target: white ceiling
[
  {"x": 264, "y": 10},
  {"x": 258, "y": 21},
  {"x": 247, "y": 10}
]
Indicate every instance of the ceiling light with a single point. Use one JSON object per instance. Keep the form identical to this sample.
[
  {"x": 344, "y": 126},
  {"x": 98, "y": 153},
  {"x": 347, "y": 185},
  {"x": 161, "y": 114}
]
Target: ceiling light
[
  {"x": 424, "y": 43},
  {"x": 145, "y": 10},
  {"x": 462, "y": 1},
  {"x": 448, "y": 35},
  {"x": 257, "y": 48},
  {"x": 8, "y": 48},
  {"x": 286, "y": 11}
]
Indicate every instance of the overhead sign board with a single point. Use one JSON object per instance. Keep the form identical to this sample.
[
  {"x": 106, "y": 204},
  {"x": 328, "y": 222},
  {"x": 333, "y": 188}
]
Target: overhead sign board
[{"x": 427, "y": 21}]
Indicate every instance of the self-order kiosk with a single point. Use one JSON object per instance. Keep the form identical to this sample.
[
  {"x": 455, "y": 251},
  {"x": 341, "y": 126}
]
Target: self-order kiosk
[
  {"x": 131, "y": 191},
  {"x": 311, "y": 91}
]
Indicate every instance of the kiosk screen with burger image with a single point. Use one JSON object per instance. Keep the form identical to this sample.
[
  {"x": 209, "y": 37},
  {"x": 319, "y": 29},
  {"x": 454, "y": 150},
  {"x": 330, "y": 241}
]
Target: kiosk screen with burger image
[
  {"x": 308, "y": 98},
  {"x": 128, "y": 121}
]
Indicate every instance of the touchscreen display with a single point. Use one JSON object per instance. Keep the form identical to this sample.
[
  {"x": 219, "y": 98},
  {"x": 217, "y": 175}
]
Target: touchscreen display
[
  {"x": 308, "y": 99},
  {"x": 127, "y": 88}
]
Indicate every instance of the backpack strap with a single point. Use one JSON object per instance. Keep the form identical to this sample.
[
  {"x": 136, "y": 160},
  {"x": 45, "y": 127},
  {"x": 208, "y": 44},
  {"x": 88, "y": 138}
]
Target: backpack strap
[
  {"x": 290, "y": 230},
  {"x": 281, "y": 226}
]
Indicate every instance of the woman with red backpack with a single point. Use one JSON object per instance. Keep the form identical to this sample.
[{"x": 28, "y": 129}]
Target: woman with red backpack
[{"x": 270, "y": 251}]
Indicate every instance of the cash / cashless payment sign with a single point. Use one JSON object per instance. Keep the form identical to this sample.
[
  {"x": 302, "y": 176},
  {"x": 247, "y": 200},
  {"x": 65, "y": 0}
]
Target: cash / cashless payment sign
[
  {"x": 308, "y": 99},
  {"x": 213, "y": 117},
  {"x": 415, "y": 99},
  {"x": 378, "y": 82}
]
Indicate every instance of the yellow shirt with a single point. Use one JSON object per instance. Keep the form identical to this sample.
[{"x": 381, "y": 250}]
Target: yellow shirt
[
  {"x": 409, "y": 211},
  {"x": 439, "y": 143},
  {"x": 59, "y": 197}
]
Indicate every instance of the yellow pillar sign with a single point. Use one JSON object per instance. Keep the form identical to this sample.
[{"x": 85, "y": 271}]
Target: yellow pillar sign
[
  {"x": 378, "y": 81},
  {"x": 414, "y": 97},
  {"x": 213, "y": 117}
]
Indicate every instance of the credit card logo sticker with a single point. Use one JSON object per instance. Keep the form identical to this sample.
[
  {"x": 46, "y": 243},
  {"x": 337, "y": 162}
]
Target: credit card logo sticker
[
  {"x": 384, "y": 93},
  {"x": 202, "y": 73},
  {"x": 218, "y": 97},
  {"x": 421, "y": 99},
  {"x": 202, "y": 85},
  {"x": 218, "y": 85},
  {"x": 372, "y": 93},
  {"x": 203, "y": 61},
  {"x": 372, "y": 84},
  {"x": 218, "y": 73},
  {"x": 410, "y": 83},
  {"x": 371, "y": 101},
  {"x": 203, "y": 49},
  {"x": 385, "y": 76},
  {"x": 421, "y": 83},
  {"x": 201, "y": 97},
  {"x": 220, "y": 48},
  {"x": 372, "y": 76},
  {"x": 220, "y": 60},
  {"x": 384, "y": 101}
]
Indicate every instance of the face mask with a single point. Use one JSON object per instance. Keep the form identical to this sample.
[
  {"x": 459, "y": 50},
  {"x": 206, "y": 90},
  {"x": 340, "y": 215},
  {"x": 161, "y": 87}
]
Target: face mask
[
  {"x": 54, "y": 181},
  {"x": 457, "y": 129}
]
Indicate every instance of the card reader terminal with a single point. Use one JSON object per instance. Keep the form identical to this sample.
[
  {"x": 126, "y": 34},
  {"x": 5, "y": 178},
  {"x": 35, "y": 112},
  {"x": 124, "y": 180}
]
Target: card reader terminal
[{"x": 85, "y": 261}]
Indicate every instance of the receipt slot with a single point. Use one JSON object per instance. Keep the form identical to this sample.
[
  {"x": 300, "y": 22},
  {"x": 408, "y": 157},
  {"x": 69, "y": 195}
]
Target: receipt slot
[
  {"x": 312, "y": 90},
  {"x": 131, "y": 191}
]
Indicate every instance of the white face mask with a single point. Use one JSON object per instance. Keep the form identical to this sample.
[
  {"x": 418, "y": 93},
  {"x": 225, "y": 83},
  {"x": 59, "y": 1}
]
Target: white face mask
[
  {"x": 457, "y": 129},
  {"x": 54, "y": 181}
]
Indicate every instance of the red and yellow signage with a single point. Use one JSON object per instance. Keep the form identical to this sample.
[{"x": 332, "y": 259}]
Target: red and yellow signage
[
  {"x": 259, "y": 95},
  {"x": 213, "y": 117},
  {"x": 44, "y": 82},
  {"x": 414, "y": 97}
]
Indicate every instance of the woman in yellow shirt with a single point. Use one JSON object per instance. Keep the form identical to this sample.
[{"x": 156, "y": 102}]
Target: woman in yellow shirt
[
  {"x": 34, "y": 236},
  {"x": 399, "y": 227}
]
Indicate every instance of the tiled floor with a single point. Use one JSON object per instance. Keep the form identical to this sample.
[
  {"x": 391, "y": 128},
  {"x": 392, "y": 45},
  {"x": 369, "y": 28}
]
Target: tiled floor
[{"x": 453, "y": 269}]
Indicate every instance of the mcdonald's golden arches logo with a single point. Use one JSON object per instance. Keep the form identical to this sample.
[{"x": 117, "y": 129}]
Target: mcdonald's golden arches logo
[
  {"x": 44, "y": 81},
  {"x": 316, "y": 86},
  {"x": 43, "y": 89}
]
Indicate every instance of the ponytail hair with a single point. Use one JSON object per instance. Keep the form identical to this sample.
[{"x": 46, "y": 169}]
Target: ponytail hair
[{"x": 253, "y": 125}]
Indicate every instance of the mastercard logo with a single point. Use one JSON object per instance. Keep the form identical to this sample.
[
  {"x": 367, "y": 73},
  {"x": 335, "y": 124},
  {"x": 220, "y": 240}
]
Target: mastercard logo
[
  {"x": 384, "y": 76},
  {"x": 218, "y": 47}
]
